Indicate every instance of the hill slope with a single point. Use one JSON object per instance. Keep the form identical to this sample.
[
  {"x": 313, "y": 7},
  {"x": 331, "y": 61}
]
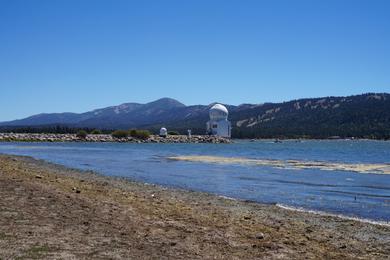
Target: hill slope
[
  {"x": 366, "y": 115},
  {"x": 360, "y": 116},
  {"x": 124, "y": 115}
]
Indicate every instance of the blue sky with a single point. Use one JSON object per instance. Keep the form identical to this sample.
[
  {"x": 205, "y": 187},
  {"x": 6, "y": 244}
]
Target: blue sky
[{"x": 75, "y": 56}]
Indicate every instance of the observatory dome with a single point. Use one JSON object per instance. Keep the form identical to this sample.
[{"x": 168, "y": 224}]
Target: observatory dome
[
  {"x": 218, "y": 112},
  {"x": 163, "y": 131}
]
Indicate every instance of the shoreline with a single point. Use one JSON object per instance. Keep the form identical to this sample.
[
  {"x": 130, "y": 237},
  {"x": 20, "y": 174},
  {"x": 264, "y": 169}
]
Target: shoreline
[
  {"x": 56, "y": 212},
  {"x": 327, "y": 214}
]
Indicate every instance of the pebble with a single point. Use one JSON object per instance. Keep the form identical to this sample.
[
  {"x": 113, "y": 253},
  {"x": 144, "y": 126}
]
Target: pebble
[
  {"x": 76, "y": 190},
  {"x": 260, "y": 236}
]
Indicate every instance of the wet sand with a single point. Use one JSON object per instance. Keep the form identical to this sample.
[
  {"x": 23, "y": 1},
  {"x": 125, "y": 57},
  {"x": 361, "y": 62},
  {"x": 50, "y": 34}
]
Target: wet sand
[
  {"x": 51, "y": 212},
  {"x": 380, "y": 168}
]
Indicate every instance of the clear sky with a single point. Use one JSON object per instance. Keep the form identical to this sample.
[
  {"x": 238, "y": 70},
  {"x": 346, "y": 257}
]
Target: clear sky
[{"x": 78, "y": 55}]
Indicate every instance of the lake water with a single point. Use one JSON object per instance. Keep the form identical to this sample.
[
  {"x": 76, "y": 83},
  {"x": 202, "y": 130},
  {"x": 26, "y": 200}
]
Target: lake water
[{"x": 362, "y": 195}]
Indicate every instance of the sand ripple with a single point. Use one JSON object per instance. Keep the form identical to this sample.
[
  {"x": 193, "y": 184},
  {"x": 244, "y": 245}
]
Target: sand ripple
[{"x": 291, "y": 164}]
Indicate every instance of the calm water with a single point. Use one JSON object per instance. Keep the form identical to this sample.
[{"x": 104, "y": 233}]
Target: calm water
[{"x": 338, "y": 192}]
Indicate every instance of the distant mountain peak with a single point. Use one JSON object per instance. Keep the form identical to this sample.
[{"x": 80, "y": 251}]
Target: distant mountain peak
[
  {"x": 121, "y": 115},
  {"x": 170, "y": 102}
]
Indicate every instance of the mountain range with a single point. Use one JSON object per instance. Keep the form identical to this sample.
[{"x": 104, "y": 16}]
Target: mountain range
[{"x": 363, "y": 116}]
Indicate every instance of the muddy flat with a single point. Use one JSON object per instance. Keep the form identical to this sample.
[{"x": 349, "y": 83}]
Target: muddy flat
[{"x": 51, "y": 212}]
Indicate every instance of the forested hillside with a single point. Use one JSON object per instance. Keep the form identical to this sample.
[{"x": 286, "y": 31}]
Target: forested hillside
[{"x": 361, "y": 116}]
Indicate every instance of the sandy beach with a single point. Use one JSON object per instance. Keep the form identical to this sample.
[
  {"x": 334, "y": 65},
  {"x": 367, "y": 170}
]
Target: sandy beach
[{"x": 48, "y": 211}]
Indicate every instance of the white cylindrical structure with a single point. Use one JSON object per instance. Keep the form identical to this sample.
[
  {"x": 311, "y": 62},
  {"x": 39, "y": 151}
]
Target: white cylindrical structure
[
  {"x": 163, "y": 132},
  {"x": 218, "y": 124}
]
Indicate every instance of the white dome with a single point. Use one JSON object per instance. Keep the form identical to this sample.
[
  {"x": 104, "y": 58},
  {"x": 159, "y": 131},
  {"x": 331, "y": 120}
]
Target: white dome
[
  {"x": 163, "y": 131},
  {"x": 218, "y": 112}
]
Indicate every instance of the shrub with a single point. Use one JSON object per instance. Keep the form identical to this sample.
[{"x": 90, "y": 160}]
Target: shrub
[
  {"x": 143, "y": 134},
  {"x": 133, "y": 132},
  {"x": 173, "y": 133},
  {"x": 120, "y": 134},
  {"x": 96, "y": 132},
  {"x": 82, "y": 134},
  {"x": 140, "y": 134}
]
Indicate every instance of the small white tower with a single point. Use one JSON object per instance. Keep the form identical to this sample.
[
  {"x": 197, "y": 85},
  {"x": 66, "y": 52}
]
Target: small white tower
[
  {"x": 163, "y": 132},
  {"x": 218, "y": 124}
]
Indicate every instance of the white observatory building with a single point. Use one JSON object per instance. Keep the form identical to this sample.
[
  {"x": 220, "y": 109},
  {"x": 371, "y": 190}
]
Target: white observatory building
[
  {"x": 163, "y": 132},
  {"x": 218, "y": 124}
]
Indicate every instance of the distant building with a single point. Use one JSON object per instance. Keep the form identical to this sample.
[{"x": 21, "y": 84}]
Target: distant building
[
  {"x": 218, "y": 124},
  {"x": 163, "y": 132}
]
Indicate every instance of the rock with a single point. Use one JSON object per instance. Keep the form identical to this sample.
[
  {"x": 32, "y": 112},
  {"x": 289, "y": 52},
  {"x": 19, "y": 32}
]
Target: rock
[
  {"x": 309, "y": 230},
  {"x": 38, "y": 176},
  {"x": 260, "y": 236},
  {"x": 76, "y": 190},
  {"x": 109, "y": 138}
]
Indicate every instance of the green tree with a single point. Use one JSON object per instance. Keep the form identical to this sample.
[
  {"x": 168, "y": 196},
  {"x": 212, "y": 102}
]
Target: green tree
[
  {"x": 82, "y": 134},
  {"x": 140, "y": 134},
  {"x": 96, "y": 132},
  {"x": 120, "y": 134}
]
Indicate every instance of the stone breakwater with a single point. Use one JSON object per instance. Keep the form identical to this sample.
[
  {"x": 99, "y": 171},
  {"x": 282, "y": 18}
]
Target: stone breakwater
[{"x": 17, "y": 137}]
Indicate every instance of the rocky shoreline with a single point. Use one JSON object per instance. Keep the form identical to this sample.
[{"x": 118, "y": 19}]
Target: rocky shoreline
[
  {"x": 28, "y": 137},
  {"x": 48, "y": 211}
]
